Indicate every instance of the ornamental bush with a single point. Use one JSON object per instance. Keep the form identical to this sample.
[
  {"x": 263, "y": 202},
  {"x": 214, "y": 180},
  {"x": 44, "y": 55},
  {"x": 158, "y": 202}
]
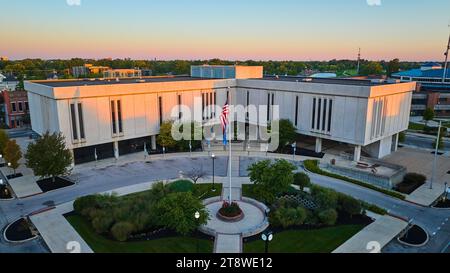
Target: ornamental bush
[
  {"x": 328, "y": 217},
  {"x": 302, "y": 180},
  {"x": 121, "y": 231},
  {"x": 349, "y": 205}
]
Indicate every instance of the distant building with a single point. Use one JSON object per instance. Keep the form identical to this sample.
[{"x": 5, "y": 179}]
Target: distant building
[
  {"x": 16, "y": 108},
  {"x": 8, "y": 82},
  {"x": 4, "y": 58},
  {"x": 122, "y": 73},
  {"x": 88, "y": 69},
  {"x": 431, "y": 92},
  {"x": 146, "y": 72}
]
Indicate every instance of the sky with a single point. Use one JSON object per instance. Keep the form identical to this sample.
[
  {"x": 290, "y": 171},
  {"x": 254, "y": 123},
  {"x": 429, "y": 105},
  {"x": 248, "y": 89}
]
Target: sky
[{"x": 301, "y": 30}]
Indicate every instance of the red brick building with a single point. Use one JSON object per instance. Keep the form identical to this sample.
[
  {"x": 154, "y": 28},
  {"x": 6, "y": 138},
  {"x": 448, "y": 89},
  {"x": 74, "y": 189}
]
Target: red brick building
[{"x": 16, "y": 108}]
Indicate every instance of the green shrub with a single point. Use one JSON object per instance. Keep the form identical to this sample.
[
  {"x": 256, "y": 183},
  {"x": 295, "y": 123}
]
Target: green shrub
[
  {"x": 181, "y": 186},
  {"x": 81, "y": 205},
  {"x": 302, "y": 180},
  {"x": 121, "y": 231},
  {"x": 328, "y": 217},
  {"x": 287, "y": 217},
  {"x": 102, "y": 222},
  {"x": 313, "y": 166},
  {"x": 349, "y": 205},
  {"x": 324, "y": 198}
]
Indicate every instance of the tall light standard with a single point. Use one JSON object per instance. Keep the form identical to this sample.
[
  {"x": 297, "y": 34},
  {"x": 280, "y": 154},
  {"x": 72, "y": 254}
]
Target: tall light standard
[
  {"x": 433, "y": 175},
  {"x": 190, "y": 148},
  {"x": 446, "y": 190},
  {"x": 9, "y": 164},
  {"x": 267, "y": 237},
  {"x": 213, "y": 156},
  {"x": 197, "y": 217}
]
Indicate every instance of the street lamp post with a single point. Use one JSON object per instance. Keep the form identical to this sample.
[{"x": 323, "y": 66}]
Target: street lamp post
[
  {"x": 294, "y": 148},
  {"x": 213, "y": 156},
  {"x": 190, "y": 148},
  {"x": 197, "y": 217},
  {"x": 267, "y": 237},
  {"x": 9, "y": 164},
  {"x": 433, "y": 175},
  {"x": 445, "y": 191}
]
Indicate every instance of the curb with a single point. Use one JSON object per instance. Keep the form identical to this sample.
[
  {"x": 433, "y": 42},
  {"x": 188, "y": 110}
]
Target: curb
[{"x": 17, "y": 242}]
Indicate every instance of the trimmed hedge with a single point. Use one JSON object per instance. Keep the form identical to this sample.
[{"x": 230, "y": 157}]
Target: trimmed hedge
[{"x": 313, "y": 166}]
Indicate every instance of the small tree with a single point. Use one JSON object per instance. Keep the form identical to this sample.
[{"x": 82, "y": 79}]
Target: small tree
[
  {"x": 302, "y": 180},
  {"x": 176, "y": 211},
  {"x": 271, "y": 179},
  {"x": 165, "y": 138},
  {"x": 4, "y": 138},
  {"x": 13, "y": 154},
  {"x": 195, "y": 174},
  {"x": 48, "y": 156},
  {"x": 428, "y": 115}
]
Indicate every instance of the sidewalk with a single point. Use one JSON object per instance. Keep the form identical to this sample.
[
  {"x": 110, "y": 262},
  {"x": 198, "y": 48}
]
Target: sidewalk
[{"x": 376, "y": 235}]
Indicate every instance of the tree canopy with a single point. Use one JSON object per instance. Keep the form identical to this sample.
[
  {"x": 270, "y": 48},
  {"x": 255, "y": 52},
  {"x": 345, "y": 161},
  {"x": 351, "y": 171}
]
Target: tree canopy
[
  {"x": 48, "y": 156},
  {"x": 13, "y": 154}
]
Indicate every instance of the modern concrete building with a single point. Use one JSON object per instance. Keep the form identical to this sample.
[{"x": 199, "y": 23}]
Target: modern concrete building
[
  {"x": 113, "y": 117},
  {"x": 431, "y": 91}
]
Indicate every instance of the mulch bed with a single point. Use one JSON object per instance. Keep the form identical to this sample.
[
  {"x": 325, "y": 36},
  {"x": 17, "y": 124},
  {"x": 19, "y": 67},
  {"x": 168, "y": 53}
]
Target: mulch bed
[
  {"x": 48, "y": 185},
  {"x": 443, "y": 204},
  {"x": 5, "y": 193},
  {"x": 415, "y": 236},
  {"x": 407, "y": 188},
  {"x": 19, "y": 231},
  {"x": 12, "y": 176}
]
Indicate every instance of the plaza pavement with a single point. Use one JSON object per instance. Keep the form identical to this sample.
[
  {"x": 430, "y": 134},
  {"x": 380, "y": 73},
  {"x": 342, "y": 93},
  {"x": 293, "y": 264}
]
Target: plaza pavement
[{"x": 104, "y": 178}]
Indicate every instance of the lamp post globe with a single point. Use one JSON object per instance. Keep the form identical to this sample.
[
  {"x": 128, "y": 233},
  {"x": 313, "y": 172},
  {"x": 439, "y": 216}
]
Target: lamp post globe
[{"x": 213, "y": 157}]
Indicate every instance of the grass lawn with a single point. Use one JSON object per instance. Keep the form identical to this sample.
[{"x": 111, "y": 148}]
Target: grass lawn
[
  {"x": 306, "y": 241},
  {"x": 100, "y": 244},
  {"x": 204, "y": 191}
]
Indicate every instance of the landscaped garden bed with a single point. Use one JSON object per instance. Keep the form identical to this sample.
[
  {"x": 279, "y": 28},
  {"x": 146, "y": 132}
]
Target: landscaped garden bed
[
  {"x": 443, "y": 204},
  {"x": 158, "y": 220},
  {"x": 415, "y": 236},
  {"x": 410, "y": 183},
  {"x": 230, "y": 212},
  {"x": 5, "y": 192},
  {"x": 166, "y": 242},
  {"x": 49, "y": 185},
  {"x": 302, "y": 218},
  {"x": 19, "y": 231},
  {"x": 13, "y": 176}
]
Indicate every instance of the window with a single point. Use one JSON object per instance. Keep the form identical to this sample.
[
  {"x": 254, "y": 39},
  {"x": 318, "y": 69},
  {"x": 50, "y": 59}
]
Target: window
[
  {"x": 113, "y": 117},
  {"x": 20, "y": 106},
  {"x": 203, "y": 106},
  {"x": 160, "y": 102},
  {"x": 319, "y": 108},
  {"x": 80, "y": 120},
  {"x": 73, "y": 117},
  {"x": 296, "y": 111},
  {"x": 330, "y": 111},
  {"x": 119, "y": 116},
  {"x": 215, "y": 102},
  {"x": 26, "y": 106},
  {"x": 268, "y": 107},
  {"x": 313, "y": 113},
  {"x": 13, "y": 107},
  {"x": 248, "y": 102},
  {"x": 210, "y": 104},
  {"x": 179, "y": 107},
  {"x": 324, "y": 118}
]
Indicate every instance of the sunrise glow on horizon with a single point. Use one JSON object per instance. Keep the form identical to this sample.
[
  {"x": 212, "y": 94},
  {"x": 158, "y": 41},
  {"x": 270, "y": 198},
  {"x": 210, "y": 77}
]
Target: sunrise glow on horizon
[{"x": 411, "y": 30}]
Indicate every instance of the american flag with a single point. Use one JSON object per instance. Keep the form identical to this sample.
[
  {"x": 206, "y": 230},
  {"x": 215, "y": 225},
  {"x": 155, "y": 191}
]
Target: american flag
[{"x": 224, "y": 121}]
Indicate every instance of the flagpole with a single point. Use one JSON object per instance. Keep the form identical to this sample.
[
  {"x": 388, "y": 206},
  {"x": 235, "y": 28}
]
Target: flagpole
[{"x": 229, "y": 143}]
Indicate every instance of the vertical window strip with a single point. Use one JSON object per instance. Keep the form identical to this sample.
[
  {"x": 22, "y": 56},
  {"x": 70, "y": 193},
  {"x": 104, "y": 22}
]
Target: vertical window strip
[
  {"x": 330, "y": 114},
  {"x": 268, "y": 106},
  {"x": 324, "y": 118},
  {"x": 160, "y": 106},
  {"x": 119, "y": 116},
  {"x": 313, "y": 113},
  {"x": 179, "y": 107},
  {"x": 113, "y": 117},
  {"x": 319, "y": 108},
  {"x": 80, "y": 120},
  {"x": 296, "y": 111},
  {"x": 73, "y": 117}
]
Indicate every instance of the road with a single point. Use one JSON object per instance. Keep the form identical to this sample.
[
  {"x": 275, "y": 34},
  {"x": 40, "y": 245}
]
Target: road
[
  {"x": 424, "y": 142},
  {"x": 94, "y": 181}
]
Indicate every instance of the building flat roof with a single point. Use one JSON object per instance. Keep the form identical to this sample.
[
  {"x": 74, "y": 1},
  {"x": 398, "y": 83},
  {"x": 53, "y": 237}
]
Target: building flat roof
[
  {"x": 93, "y": 82},
  {"x": 338, "y": 81}
]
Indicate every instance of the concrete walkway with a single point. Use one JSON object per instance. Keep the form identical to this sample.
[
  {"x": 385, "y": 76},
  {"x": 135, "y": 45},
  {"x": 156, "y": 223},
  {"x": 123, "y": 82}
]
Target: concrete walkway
[
  {"x": 373, "y": 237},
  {"x": 25, "y": 186},
  {"x": 226, "y": 243}
]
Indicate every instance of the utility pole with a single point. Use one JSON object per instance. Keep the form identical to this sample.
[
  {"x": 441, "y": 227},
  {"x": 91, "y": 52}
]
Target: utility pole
[
  {"x": 359, "y": 61},
  {"x": 446, "y": 59}
]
